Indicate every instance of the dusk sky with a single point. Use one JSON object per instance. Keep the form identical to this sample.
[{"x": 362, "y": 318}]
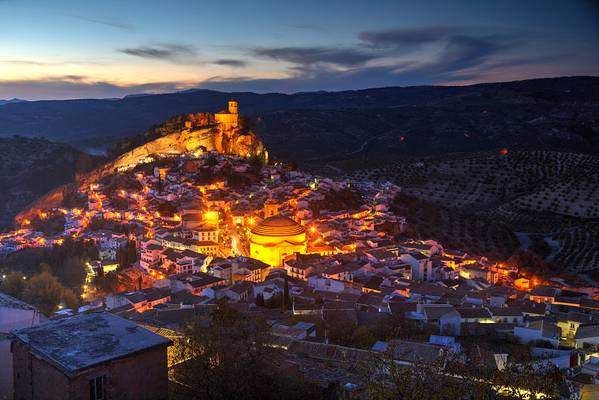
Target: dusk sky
[{"x": 95, "y": 49}]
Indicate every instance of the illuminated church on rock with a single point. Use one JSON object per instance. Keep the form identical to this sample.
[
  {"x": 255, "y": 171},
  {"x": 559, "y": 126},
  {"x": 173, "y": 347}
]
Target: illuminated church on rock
[
  {"x": 276, "y": 237},
  {"x": 228, "y": 119}
]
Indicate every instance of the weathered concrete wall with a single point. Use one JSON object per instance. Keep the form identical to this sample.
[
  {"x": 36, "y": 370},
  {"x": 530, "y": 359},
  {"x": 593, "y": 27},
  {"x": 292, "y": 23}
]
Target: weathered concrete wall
[{"x": 142, "y": 376}]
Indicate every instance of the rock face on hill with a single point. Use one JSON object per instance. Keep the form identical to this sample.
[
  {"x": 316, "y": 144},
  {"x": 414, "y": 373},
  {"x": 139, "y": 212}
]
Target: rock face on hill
[
  {"x": 187, "y": 141},
  {"x": 30, "y": 167}
]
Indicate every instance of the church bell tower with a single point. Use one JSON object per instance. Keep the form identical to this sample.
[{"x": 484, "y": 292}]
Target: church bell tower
[{"x": 232, "y": 106}]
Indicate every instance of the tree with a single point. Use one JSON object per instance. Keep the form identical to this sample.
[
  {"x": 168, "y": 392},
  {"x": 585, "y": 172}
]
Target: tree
[
  {"x": 274, "y": 301},
  {"x": 522, "y": 381},
  {"x": 126, "y": 255},
  {"x": 451, "y": 376},
  {"x": 70, "y": 299},
  {"x": 286, "y": 301},
  {"x": 340, "y": 331},
  {"x": 13, "y": 284},
  {"x": 423, "y": 380},
  {"x": 108, "y": 283},
  {"x": 44, "y": 292},
  {"x": 260, "y": 300},
  {"x": 231, "y": 359},
  {"x": 73, "y": 272}
]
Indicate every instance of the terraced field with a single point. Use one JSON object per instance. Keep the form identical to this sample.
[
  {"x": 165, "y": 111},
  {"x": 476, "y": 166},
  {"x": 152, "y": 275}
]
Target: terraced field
[
  {"x": 551, "y": 194},
  {"x": 578, "y": 248}
]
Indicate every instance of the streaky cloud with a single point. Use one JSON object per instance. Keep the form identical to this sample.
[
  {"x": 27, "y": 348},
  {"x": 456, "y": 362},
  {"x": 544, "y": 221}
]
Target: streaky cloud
[
  {"x": 231, "y": 62},
  {"x": 178, "y": 53},
  {"x": 106, "y": 22}
]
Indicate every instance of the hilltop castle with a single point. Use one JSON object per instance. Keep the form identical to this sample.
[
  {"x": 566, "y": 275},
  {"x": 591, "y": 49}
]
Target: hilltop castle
[
  {"x": 228, "y": 119},
  {"x": 197, "y": 135}
]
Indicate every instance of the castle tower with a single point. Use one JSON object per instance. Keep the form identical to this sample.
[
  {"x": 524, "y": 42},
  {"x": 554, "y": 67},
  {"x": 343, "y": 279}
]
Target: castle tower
[
  {"x": 232, "y": 107},
  {"x": 228, "y": 119}
]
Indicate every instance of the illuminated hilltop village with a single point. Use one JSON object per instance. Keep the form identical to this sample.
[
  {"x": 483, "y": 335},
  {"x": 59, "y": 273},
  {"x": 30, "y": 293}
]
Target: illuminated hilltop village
[
  {"x": 200, "y": 134},
  {"x": 189, "y": 221}
]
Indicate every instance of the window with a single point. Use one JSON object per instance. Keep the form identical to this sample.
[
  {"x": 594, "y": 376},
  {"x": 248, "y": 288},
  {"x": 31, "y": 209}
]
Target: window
[{"x": 96, "y": 388}]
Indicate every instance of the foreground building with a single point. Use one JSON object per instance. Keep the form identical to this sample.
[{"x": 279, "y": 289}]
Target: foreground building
[
  {"x": 14, "y": 314},
  {"x": 95, "y": 356}
]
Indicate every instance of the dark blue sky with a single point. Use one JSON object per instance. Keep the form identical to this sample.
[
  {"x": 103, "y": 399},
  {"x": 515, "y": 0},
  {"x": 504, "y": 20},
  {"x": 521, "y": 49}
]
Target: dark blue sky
[{"x": 110, "y": 48}]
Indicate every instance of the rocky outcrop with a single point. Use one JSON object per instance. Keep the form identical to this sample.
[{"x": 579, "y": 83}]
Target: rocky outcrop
[
  {"x": 49, "y": 200},
  {"x": 187, "y": 141}
]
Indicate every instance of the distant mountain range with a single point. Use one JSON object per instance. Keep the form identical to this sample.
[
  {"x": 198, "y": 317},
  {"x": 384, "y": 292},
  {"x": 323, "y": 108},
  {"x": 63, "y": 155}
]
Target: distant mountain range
[
  {"x": 15, "y": 100},
  {"x": 350, "y": 127}
]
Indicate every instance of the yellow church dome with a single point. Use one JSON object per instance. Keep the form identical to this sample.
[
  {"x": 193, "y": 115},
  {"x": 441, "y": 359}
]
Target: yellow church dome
[{"x": 278, "y": 225}]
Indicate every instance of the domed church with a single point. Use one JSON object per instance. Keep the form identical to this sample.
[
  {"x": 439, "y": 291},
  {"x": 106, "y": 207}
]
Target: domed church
[{"x": 276, "y": 237}]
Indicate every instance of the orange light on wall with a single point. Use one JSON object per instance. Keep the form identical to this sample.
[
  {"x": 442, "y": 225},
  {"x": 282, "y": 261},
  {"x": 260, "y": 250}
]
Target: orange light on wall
[{"x": 211, "y": 216}]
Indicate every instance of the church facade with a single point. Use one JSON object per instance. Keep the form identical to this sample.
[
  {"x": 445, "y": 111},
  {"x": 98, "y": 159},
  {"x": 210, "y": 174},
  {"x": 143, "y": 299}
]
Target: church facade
[{"x": 276, "y": 237}]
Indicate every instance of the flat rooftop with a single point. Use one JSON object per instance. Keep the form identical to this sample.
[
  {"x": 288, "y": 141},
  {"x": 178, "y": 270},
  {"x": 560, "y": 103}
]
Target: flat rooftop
[{"x": 77, "y": 343}]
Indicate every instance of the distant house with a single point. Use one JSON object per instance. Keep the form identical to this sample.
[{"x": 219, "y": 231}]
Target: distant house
[
  {"x": 426, "y": 292},
  {"x": 90, "y": 356},
  {"x": 150, "y": 256},
  {"x": 249, "y": 269},
  {"x": 430, "y": 313},
  {"x": 587, "y": 336},
  {"x": 569, "y": 322},
  {"x": 543, "y": 294},
  {"x": 299, "y": 268},
  {"x": 326, "y": 284},
  {"x": 451, "y": 323},
  {"x": 141, "y": 300},
  {"x": 341, "y": 272},
  {"x": 538, "y": 331},
  {"x": 241, "y": 291},
  {"x": 511, "y": 315},
  {"x": 478, "y": 271},
  {"x": 194, "y": 283},
  {"x": 421, "y": 265},
  {"x": 299, "y": 331}
]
